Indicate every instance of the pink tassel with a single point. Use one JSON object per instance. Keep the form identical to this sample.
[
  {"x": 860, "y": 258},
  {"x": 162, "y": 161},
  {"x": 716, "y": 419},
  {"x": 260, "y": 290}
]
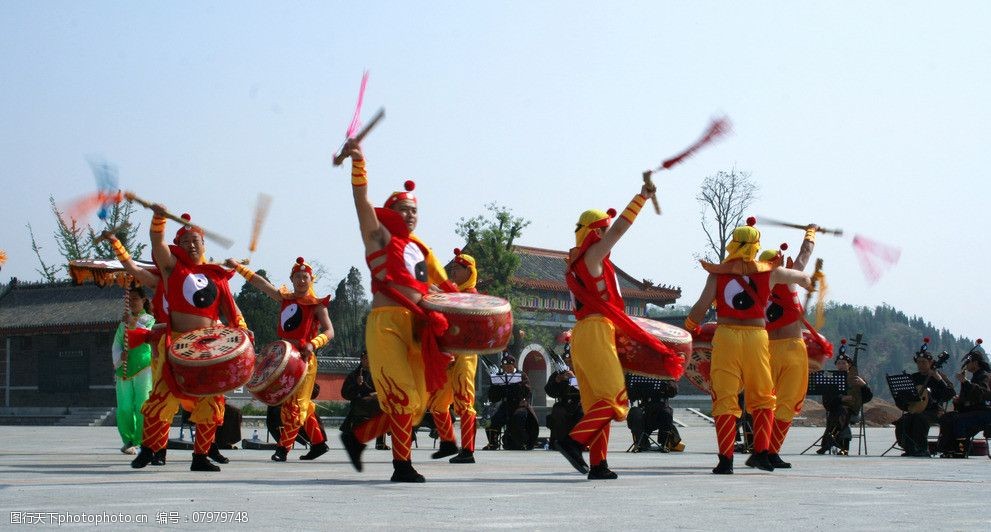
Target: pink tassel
[
  {"x": 719, "y": 127},
  {"x": 875, "y": 258},
  {"x": 356, "y": 121}
]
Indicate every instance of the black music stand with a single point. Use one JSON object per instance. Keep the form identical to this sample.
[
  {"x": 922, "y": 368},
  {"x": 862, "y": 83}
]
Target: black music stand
[
  {"x": 823, "y": 383},
  {"x": 642, "y": 387},
  {"x": 900, "y": 384}
]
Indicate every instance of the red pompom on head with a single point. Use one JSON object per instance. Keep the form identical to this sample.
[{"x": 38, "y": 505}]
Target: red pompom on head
[
  {"x": 299, "y": 260},
  {"x": 784, "y": 246},
  {"x": 751, "y": 221},
  {"x": 925, "y": 340},
  {"x": 843, "y": 341},
  {"x": 979, "y": 341},
  {"x": 186, "y": 217},
  {"x": 457, "y": 251},
  {"x": 611, "y": 212},
  {"x": 409, "y": 185}
]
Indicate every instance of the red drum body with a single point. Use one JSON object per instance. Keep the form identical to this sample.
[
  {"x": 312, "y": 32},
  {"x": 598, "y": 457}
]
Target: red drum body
[
  {"x": 477, "y": 323},
  {"x": 817, "y": 356},
  {"x": 212, "y": 361},
  {"x": 279, "y": 371},
  {"x": 700, "y": 361},
  {"x": 638, "y": 358}
]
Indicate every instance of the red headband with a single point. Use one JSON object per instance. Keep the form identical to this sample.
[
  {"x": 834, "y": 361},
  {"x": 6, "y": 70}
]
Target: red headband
[
  {"x": 396, "y": 197},
  {"x": 184, "y": 229},
  {"x": 301, "y": 265}
]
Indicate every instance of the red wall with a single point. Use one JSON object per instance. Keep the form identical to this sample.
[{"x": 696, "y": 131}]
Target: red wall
[{"x": 330, "y": 386}]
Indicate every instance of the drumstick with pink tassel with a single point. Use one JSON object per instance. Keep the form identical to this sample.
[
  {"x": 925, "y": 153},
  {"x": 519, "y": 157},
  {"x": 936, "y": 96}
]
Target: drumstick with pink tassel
[{"x": 718, "y": 128}]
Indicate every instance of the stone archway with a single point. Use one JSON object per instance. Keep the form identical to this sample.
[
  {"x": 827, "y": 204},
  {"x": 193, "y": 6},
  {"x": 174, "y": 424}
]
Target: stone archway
[{"x": 534, "y": 360}]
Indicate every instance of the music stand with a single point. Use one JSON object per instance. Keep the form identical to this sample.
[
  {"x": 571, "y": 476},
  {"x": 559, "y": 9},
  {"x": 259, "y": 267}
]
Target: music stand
[
  {"x": 825, "y": 382},
  {"x": 642, "y": 386},
  {"x": 901, "y": 383}
]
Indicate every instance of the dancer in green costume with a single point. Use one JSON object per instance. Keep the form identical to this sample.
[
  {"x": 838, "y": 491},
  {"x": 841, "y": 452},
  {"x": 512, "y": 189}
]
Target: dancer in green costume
[{"x": 132, "y": 372}]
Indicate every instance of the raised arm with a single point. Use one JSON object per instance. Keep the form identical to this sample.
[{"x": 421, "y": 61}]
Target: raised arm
[
  {"x": 701, "y": 306},
  {"x": 254, "y": 280},
  {"x": 143, "y": 276},
  {"x": 805, "y": 252},
  {"x": 789, "y": 276},
  {"x": 371, "y": 230},
  {"x": 160, "y": 252},
  {"x": 599, "y": 250}
]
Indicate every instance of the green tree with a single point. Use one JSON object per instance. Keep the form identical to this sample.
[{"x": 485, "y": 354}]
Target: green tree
[
  {"x": 489, "y": 238},
  {"x": 348, "y": 312},
  {"x": 118, "y": 222},
  {"x": 261, "y": 313}
]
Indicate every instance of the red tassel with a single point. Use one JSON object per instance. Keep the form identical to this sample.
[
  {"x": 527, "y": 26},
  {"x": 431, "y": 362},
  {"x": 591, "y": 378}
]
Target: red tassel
[{"x": 717, "y": 129}]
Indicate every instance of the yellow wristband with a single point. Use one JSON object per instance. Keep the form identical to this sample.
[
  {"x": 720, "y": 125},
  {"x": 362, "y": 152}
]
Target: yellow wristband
[
  {"x": 633, "y": 209},
  {"x": 241, "y": 324},
  {"x": 158, "y": 224},
  {"x": 319, "y": 341},
  {"x": 120, "y": 250},
  {"x": 359, "y": 177},
  {"x": 810, "y": 235},
  {"x": 690, "y": 325},
  {"x": 244, "y": 271}
]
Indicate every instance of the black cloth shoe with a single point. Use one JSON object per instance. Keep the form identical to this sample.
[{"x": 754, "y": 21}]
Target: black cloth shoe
[
  {"x": 145, "y": 456},
  {"x": 725, "y": 466},
  {"x": 822, "y": 450},
  {"x": 159, "y": 458},
  {"x": 201, "y": 463},
  {"x": 280, "y": 454},
  {"x": 354, "y": 449},
  {"x": 446, "y": 448},
  {"x": 572, "y": 451},
  {"x": 777, "y": 462},
  {"x": 215, "y": 455},
  {"x": 601, "y": 471},
  {"x": 403, "y": 472},
  {"x": 760, "y": 461},
  {"x": 464, "y": 457},
  {"x": 316, "y": 451}
]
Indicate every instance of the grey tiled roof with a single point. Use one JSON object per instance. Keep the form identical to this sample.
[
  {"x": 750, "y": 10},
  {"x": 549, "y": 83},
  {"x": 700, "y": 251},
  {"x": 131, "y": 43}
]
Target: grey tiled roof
[
  {"x": 337, "y": 365},
  {"x": 42, "y": 307}
]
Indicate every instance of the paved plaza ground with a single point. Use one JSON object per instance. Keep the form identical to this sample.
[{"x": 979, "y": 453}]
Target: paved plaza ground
[{"x": 51, "y": 473}]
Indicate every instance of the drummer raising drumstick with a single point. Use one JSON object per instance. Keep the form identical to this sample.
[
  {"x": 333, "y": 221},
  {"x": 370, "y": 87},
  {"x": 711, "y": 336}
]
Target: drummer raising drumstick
[
  {"x": 789, "y": 356},
  {"x": 402, "y": 269},
  {"x": 197, "y": 295},
  {"x": 740, "y": 286},
  {"x": 305, "y": 323},
  {"x": 600, "y": 311}
]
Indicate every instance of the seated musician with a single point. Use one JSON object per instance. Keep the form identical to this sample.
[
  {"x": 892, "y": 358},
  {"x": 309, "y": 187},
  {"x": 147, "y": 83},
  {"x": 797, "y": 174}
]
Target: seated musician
[
  {"x": 650, "y": 412},
  {"x": 567, "y": 410},
  {"x": 841, "y": 408},
  {"x": 360, "y": 390},
  {"x": 912, "y": 429},
  {"x": 972, "y": 408},
  {"x": 512, "y": 387}
]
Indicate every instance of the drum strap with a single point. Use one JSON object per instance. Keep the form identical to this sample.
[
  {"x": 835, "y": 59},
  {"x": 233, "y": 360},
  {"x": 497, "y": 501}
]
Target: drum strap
[
  {"x": 673, "y": 362},
  {"x": 434, "y": 361}
]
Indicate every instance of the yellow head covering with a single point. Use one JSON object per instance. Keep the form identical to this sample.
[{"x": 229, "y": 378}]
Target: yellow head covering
[
  {"x": 745, "y": 243},
  {"x": 591, "y": 219},
  {"x": 770, "y": 254},
  {"x": 468, "y": 262}
]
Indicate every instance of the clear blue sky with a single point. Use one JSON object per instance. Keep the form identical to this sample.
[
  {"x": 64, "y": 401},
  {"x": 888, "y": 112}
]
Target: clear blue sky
[{"x": 870, "y": 116}]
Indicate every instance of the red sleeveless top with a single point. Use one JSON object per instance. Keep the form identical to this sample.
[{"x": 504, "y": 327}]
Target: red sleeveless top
[
  {"x": 298, "y": 321},
  {"x": 402, "y": 261},
  {"x": 197, "y": 289},
  {"x": 783, "y": 307},
  {"x": 605, "y": 286},
  {"x": 736, "y": 301}
]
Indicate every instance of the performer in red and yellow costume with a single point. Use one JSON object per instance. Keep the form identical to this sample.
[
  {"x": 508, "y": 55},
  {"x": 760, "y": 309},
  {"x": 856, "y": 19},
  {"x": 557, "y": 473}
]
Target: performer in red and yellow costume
[
  {"x": 459, "y": 389},
  {"x": 406, "y": 364},
  {"x": 304, "y": 322},
  {"x": 789, "y": 356},
  {"x": 600, "y": 311},
  {"x": 741, "y": 286},
  {"x": 196, "y": 295}
]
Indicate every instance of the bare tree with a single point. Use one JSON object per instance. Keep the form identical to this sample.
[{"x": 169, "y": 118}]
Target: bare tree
[{"x": 725, "y": 197}]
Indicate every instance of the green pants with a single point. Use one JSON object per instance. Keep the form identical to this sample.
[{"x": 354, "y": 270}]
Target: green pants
[{"x": 131, "y": 394}]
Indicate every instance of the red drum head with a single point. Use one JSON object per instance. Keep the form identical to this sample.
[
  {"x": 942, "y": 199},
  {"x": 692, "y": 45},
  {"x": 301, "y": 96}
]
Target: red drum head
[
  {"x": 209, "y": 346},
  {"x": 638, "y": 358},
  {"x": 466, "y": 303},
  {"x": 270, "y": 361},
  {"x": 817, "y": 356},
  {"x": 477, "y": 323}
]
